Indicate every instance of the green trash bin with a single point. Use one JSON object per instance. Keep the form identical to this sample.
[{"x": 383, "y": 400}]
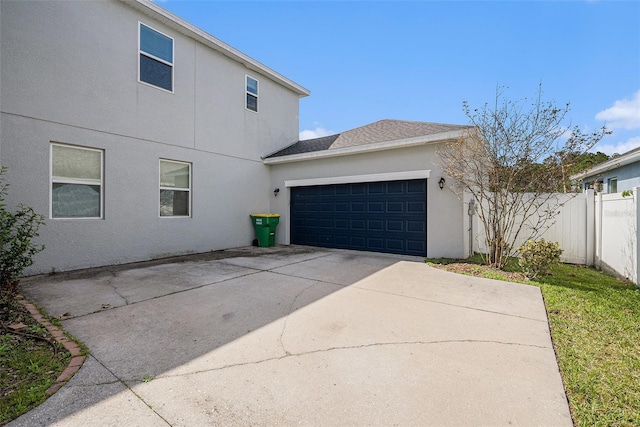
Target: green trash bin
[{"x": 265, "y": 226}]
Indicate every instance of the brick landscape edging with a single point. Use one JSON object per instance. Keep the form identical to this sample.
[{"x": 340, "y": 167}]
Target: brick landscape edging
[{"x": 77, "y": 359}]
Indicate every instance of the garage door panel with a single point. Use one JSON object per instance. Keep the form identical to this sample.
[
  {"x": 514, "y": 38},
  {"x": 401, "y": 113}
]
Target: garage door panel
[
  {"x": 357, "y": 207},
  {"x": 416, "y": 186},
  {"x": 376, "y": 188},
  {"x": 395, "y": 187},
  {"x": 327, "y": 190},
  {"x": 415, "y": 207},
  {"x": 358, "y": 189},
  {"x": 357, "y": 242},
  {"x": 311, "y": 207},
  {"x": 415, "y": 226},
  {"x": 375, "y": 244},
  {"x": 326, "y": 223},
  {"x": 311, "y": 191},
  {"x": 375, "y": 225},
  {"x": 375, "y": 207},
  {"x": 342, "y": 207},
  {"x": 397, "y": 207},
  {"x": 341, "y": 224},
  {"x": 416, "y": 246},
  {"x": 396, "y": 244},
  {"x": 341, "y": 190},
  {"x": 358, "y": 225},
  {"x": 379, "y": 216},
  {"x": 395, "y": 226}
]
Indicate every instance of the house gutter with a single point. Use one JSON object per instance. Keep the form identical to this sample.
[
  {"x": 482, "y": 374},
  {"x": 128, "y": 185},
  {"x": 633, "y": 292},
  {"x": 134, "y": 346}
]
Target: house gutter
[
  {"x": 180, "y": 25},
  {"x": 368, "y": 148}
]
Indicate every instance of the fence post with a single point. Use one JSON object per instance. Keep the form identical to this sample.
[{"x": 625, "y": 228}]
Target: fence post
[
  {"x": 598, "y": 231},
  {"x": 636, "y": 199},
  {"x": 591, "y": 226}
]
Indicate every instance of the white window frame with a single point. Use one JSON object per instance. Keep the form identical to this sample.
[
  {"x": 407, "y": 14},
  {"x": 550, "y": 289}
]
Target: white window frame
[
  {"x": 246, "y": 81},
  {"x": 74, "y": 181},
  {"x": 188, "y": 190},
  {"x": 609, "y": 182},
  {"x": 171, "y": 64}
]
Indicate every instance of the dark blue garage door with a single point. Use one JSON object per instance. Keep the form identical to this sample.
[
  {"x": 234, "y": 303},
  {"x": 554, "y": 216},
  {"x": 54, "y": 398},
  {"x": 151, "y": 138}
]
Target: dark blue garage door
[{"x": 373, "y": 216}]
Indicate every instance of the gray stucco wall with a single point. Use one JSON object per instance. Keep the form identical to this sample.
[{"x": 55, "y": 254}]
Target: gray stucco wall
[
  {"x": 69, "y": 74},
  {"x": 446, "y": 222}
]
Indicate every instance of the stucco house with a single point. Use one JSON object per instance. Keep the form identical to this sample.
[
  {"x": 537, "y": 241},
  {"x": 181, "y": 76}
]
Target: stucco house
[
  {"x": 140, "y": 136},
  {"x": 376, "y": 187},
  {"x": 613, "y": 176}
]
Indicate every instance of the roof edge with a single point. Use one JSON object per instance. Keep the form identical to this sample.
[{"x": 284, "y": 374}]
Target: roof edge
[
  {"x": 622, "y": 160},
  {"x": 368, "y": 148},
  {"x": 157, "y": 12}
]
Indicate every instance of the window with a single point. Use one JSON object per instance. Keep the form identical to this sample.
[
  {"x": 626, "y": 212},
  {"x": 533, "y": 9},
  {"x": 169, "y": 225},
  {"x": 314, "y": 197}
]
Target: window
[
  {"x": 252, "y": 94},
  {"x": 156, "y": 58},
  {"x": 175, "y": 188},
  {"x": 76, "y": 182},
  {"x": 613, "y": 185}
]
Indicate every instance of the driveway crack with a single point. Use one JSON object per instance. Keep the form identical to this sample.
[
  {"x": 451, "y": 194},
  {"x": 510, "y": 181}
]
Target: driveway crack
[
  {"x": 115, "y": 289},
  {"x": 128, "y": 387},
  {"x": 354, "y": 347},
  {"x": 286, "y": 319}
]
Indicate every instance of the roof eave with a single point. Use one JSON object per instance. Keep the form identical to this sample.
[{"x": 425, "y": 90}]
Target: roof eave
[
  {"x": 368, "y": 148},
  {"x": 157, "y": 12},
  {"x": 608, "y": 165}
]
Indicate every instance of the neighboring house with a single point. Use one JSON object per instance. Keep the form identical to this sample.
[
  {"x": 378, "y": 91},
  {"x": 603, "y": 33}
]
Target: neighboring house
[
  {"x": 140, "y": 136},
  {"x": 613, "y": 176}
]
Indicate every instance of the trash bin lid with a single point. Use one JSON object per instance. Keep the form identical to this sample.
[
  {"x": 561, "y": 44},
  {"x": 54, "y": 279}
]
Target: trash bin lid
[{"x": 274, "y": 215}]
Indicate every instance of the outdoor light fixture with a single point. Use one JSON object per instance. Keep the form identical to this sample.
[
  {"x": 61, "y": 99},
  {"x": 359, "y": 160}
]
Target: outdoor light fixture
[
  {"x": 441, "y": 183},
  {"x": 276, "y": 191}
]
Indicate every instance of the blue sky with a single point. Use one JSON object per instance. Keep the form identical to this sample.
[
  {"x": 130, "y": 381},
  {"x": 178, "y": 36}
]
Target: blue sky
[{"x": 365, "y": 61}]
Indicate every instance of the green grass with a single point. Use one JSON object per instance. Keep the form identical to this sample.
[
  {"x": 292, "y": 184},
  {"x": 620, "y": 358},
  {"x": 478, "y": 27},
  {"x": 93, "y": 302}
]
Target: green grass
[
  {"x": 595, "y": 326},
  {"x": 29, "y": 366}
]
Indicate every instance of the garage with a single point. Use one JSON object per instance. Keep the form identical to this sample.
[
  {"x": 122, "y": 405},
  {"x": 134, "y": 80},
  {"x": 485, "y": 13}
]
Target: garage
[{"x": 383, "y": 216}]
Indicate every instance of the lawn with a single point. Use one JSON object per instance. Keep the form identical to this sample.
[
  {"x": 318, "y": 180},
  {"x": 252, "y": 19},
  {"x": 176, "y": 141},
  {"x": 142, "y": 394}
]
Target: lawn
[
  {"x": 30, "y": 362},
  {"x": 595, "y": 328}
]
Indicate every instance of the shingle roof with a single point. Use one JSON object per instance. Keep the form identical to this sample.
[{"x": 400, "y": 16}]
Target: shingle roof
[
  {"x": 307, "y": 146},
  {"x": 380, "y": 131}
]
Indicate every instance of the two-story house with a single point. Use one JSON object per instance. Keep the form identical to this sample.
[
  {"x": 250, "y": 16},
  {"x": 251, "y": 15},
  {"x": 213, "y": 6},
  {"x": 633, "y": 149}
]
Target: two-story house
[
  {"x": 137, "y": 134},
  {"x": 140, "y": 136}
]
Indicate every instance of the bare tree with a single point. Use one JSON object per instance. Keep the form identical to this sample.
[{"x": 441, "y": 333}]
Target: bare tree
[{"x": 500, "y": 163}]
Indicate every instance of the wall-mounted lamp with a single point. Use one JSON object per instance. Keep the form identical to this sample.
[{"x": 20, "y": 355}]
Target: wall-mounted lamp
[
  {"x": 276, "y": 191},
  {"x": 441, "y": 183}
]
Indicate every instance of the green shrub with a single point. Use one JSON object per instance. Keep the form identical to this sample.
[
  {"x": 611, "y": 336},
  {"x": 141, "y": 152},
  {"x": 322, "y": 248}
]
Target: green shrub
[
  {"x": 17, "y": 229},
  {"x": 537, "y": 256}
]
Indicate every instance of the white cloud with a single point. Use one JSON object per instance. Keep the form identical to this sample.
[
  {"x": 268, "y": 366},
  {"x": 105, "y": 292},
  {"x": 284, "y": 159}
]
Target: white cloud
[
  {"x": 620, "y": 147},
  {"x": 318, "y": 132},
  {"x": 624, "y": 114}
]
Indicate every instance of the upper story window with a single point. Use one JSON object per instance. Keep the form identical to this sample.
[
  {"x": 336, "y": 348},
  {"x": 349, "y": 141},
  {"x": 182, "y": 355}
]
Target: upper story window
[
  {"x": 156, "y": 58},
  {"x": 76, "y": 182},
  {"x": 175, "y": 188},
  {"x": 252, "y": 94}
]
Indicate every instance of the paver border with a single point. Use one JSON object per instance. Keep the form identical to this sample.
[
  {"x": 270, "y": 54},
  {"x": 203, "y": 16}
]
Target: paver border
[{"x": 77, "y": 358}]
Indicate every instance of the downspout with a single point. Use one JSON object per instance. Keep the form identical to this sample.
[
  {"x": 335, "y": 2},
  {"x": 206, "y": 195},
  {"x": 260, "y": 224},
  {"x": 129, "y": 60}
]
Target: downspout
[{"x": 471, "y": 211}]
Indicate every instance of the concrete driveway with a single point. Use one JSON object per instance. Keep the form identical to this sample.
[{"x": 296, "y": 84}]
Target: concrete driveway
[{"x": 298, "y": 335}]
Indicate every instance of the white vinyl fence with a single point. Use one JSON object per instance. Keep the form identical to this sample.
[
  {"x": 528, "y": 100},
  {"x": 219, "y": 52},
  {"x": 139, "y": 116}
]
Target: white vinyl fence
[
  {"x": 600, "y": 230},
  {"x": 616, "y": 232}
]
